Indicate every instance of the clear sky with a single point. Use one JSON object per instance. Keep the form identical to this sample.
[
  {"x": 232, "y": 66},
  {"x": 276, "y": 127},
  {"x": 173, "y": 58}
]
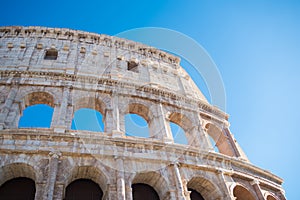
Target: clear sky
[{"x": 255, "y": 44}]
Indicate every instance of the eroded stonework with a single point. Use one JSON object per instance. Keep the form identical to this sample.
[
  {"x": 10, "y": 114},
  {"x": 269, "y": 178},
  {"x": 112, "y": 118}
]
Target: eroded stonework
[{"x": 69, "y": 70}]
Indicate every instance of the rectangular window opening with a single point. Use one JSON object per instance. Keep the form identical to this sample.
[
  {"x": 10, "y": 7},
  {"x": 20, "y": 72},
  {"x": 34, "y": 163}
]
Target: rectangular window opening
[{"x": 132, "y": 66}]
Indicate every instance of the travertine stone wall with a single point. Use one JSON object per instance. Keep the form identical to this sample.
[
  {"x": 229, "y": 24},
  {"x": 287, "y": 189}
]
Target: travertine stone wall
[{"x": 114, "y": 76}]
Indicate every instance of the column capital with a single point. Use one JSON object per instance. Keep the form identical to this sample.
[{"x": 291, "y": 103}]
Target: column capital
[
  {"x": 55, "y": 154},
  {"x": 254, "y": 182},
  {"x": 175, "y": 164},
  {"x": 219, "y": 171}
]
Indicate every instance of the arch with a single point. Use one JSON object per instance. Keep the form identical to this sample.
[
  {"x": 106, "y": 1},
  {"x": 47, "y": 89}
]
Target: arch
[
  {"x": 91, "y": 103},
  {"x": 88, "y": 119},
  {"x": 271, "y": 197},
  {"x": 141, "y": 191},
  {"x": 18, "y": 189},
  {"x": 137, "y": 118},
  {"x": 83, "y": 189},
  {"x": 36, "y": 106},
  {"x": 183, "y": 122},
  {"x": 154, "y": 180},
  {"x": 242, "y": 193},
  {"x": 178, "y": 134},
  {"x": 137, "y": 126},
  {"x": 34, "y": 98},
  {"x": 88, "y": 172},
  {"x": 194, "y": 195},
  {"x": 206, "y": 189},
  {"x": 39, "y": 115},
  {"x": 15, "y": 170},
  {"x": 90, "y": 108},
  {"x": 220, "y": 139},
  {"x": 139, "y": 109}
]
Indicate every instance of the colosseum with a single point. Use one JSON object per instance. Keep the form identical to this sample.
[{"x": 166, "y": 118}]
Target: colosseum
[{"x": 69, "y": 70}]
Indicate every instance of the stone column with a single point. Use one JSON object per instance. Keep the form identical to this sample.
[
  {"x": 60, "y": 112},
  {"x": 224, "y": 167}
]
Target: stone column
[
  {"x": 223, "y": 186},
  {"x": 281, "y": 195},
  {"x": 178, "y": 181},
  {"x": 120, "y": 179},
  {"x": 52, "y": 173},
  {"x": 60, "y": 118},
  {"x": 59, "y": 192},
  {"x": 128, "y": 191},
  {"x": 112, "y": 117},
  {"x": 39, "y": 191},
  {"x": 6, "y": 109},
  {"x": 255, "y": 184},
  {"x": 200, "y": 137},
  {"x": 159, "y": 126}
]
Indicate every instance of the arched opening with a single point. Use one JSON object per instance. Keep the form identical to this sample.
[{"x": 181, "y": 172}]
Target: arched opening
[
  {"x": 202, "y": 189},
  {"x": 178, "y": 134},
  {"x": 37, "y": 110},
  {"x": 241, "y": 193},
  {"x": 195, "y": 195},
  {"x": 136, "y": 126},
  {"x": 137, "y": 119},
  {"x": 89, "y": 115},
  {"x": 83, "y": 189},
  {"x": 88, "y": 119},
  {"x": 219, "y": 140},
  {"x": 180, "y": 126},
  {"x": 141, "y": 191},
  {"x": 91, "y": 173},
  {"x": 151, "y": 182},
  {"x": 18, "y": 189},
  {"x": 39, "y": 116},
  {"x": 213, "y": 144}
]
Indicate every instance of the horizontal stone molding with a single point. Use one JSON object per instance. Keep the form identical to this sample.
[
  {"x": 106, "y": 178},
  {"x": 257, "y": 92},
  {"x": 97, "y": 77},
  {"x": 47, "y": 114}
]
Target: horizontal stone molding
[{"x": 14, "y": 140}]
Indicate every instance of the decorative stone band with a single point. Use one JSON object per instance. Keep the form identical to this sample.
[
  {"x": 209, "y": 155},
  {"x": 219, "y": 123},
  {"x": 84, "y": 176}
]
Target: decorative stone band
[{"x": 210, "y": 161}]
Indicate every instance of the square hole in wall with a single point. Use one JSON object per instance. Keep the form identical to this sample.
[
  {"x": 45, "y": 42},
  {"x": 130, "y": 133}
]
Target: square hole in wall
[
  {"x": 132, "y": 66},
  {"x": 51, "y": 54}
]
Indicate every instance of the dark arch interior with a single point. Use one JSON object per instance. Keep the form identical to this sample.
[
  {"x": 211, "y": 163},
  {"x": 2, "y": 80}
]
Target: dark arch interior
[
  {"x": 18, "y": 189},
  {"x": 142, "y": 191},
  {"x": 195, "y": 195},
  {"x": 83, "y": 189}
]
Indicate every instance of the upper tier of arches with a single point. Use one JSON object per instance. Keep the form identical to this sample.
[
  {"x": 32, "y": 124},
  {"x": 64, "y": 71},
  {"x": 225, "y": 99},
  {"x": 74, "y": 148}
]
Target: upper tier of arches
[{"x": 109, "y": 115}]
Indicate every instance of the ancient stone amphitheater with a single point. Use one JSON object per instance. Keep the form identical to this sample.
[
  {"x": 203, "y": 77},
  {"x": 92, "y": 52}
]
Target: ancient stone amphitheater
[{"x": 69, "y": 70}]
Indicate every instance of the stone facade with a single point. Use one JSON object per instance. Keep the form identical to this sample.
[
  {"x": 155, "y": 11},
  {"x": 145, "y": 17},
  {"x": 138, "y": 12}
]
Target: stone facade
[{"x": 69, "y": 70}]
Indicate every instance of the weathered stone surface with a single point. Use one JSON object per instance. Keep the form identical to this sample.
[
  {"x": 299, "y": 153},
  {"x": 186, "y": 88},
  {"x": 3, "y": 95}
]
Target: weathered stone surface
[{"x": 69, "y": 70}]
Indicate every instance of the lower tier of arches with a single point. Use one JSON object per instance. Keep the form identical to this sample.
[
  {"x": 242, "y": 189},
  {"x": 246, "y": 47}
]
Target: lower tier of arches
[{"x": 85, "y": 179}]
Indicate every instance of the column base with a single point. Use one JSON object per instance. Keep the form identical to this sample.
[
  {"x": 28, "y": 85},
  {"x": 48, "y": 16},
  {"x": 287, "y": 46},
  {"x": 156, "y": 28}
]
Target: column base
[
  {"x": 168, "y": 140},
  {"x": 2, "y": 126},
  {"x": 59, "y": 129},
  {"x": 117, "y": 134}
]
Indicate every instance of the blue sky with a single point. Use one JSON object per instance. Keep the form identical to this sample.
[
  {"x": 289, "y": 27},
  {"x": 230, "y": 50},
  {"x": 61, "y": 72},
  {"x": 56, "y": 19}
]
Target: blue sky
[{"x": 255, "y": 44}]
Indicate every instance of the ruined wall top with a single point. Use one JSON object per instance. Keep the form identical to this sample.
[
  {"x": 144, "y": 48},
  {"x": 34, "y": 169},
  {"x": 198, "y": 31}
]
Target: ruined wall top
[{"x": 93, "y": 55}]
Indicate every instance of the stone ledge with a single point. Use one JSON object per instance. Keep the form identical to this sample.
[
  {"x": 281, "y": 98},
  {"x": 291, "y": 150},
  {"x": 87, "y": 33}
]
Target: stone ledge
[{"x": 190, "y": 156}]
